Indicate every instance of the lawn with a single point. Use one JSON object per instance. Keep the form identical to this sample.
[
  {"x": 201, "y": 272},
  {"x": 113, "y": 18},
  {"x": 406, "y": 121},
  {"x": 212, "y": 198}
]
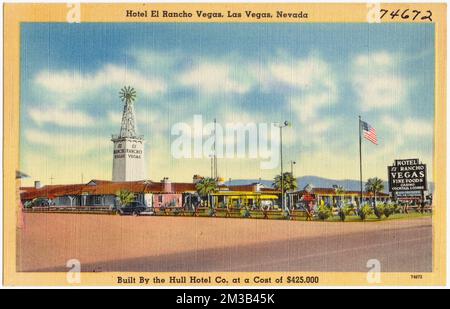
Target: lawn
[
  {"x": 352, "y": 218},
  {"x": 373, "y": 218}
]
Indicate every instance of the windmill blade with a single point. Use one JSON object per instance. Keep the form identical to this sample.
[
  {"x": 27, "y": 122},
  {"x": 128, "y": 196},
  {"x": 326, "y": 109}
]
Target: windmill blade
[{"x": 127, "y": 93}]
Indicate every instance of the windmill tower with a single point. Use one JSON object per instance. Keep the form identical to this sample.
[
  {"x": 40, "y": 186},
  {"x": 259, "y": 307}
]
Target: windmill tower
[{"x": 128, "y": 157}]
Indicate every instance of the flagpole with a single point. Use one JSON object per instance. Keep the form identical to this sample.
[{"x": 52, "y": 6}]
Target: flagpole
[
  {"x": 360, "y": 166},
  {"x": 215, "y": 152}
]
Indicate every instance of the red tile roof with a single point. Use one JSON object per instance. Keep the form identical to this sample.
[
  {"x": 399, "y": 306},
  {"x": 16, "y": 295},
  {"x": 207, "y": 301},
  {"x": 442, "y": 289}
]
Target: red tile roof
[
  {"x": 241, "y": 188},
  {"x": 51, "y": 191},
  {"x": 105, "y": 187},
  {"x": 180, "y": 187},
  {"x": 102, "y": 187}
]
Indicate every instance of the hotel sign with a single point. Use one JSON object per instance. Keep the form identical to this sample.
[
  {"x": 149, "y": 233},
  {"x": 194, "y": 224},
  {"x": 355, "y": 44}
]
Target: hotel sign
[{"x": 407, "y": 175}]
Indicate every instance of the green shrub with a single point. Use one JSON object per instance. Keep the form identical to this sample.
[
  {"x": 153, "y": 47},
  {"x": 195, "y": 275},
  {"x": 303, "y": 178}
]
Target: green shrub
[
  {"x": 342, "y": 214},
  {"x": 324, "y": 212},
  {"x": 346, "y": 210},
  {"x": 286, "y": 214},
  {"x": 211, "y": 212},
  {"x": 365, "y": 211},
  {"x": 389, "y": 210},
  {"x": 245, "y": 213},
  {"x": 349, "y": 209},
  {"x": 396, "y": 208},
  {"x": 379, "y": 211}
]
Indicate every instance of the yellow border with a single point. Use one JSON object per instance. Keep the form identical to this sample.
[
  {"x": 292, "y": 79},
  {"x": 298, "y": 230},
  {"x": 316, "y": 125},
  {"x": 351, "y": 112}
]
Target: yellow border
[{"x": 14, "y": 14}]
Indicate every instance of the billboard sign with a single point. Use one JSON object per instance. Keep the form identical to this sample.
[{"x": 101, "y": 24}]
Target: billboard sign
[{"x": 407, "y": 175}]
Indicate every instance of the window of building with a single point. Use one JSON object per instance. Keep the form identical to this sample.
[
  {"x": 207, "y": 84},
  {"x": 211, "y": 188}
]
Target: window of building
[{"x": 97, "y": 200}]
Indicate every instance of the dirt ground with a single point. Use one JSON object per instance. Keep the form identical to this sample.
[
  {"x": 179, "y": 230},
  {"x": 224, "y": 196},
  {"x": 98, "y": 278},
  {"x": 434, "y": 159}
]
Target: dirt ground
[{"x": 123, "y": 243}]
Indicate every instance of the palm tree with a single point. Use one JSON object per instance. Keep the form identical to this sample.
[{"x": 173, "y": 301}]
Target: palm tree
[
  {"x": 289, "y": 182},
  {"x": 125, "y": 197},
  {"x": 205, "y": 187},
  {"x": 339, "y": 190},
  {"x": 374, "y": 185}
]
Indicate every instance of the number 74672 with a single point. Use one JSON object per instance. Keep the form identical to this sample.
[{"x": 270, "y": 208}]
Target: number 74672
[{"x": 406, "y": 14}]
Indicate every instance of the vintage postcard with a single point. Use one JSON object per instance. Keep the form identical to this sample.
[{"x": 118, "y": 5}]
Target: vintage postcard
[{"x": 224, "y": 144}]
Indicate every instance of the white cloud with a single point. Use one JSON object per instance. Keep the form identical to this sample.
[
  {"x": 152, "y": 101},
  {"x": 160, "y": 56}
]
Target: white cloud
[
  {"x": 245, "y": 118},
  {"x": 68, "y": 144},
  {"x": 154, "y": 59},
  {"x": 400, "y": 138},
  {"x": 379, "y": 91},
  {"x": 313, "y": 87},
  {"x": 71, "y": 84},
  {"x": 418, "y": 127},
  {"x": 300, "y": 73},
  {"x": 379, "y": 59},
  {"x": 60, "y": 117},
  {"x": 57, "y": 170},
  {"x": 377, "y": 81},
  {"x": 307, "y": 107},
  {"x": 310, "y": 80},
  {"x": 114, "y": 117},
  {"x": 148, "y": 122},
  {"x": 239, "y": 116},
  {"x": 413, "y": 127},
  {"x": 210, "y": 78},
  {"x": 320, "y": 126}
]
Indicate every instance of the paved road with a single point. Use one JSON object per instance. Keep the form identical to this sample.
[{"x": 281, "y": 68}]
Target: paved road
[{"x": 213, "y": 244}]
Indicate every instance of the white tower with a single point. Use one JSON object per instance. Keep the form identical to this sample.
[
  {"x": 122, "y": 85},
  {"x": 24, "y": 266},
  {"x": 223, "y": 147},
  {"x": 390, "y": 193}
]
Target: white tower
[{"x": 128, "y": 160}]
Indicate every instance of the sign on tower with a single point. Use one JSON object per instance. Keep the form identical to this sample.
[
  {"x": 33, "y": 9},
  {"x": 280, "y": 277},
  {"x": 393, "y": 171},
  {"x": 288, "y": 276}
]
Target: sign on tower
[{"x": 128, "y": 155}]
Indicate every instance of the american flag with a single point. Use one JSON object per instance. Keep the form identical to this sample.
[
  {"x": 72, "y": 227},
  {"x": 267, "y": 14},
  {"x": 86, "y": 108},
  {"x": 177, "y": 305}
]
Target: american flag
[{"x": 369, "y": 132}]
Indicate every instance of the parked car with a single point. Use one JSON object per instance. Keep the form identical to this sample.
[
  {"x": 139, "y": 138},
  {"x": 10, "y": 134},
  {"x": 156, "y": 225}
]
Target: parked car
[
  {"x": 40, "y": 202},
  {"x": 135, "y": 208}
]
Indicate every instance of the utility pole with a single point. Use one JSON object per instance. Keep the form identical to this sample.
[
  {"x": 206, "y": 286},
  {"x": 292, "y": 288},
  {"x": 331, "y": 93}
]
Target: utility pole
[
  {"x": 360, "y": 165},
  {"x": 281, "y": 126},
  {"x": 292, "y": 168},
  {"x": 215, "y": 151},
  {"x": 212, "y": 165}
]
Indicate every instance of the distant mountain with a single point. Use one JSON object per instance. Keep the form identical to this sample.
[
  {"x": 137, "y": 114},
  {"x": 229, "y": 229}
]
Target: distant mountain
[
  {"x": 348, "y": 184},
  {"x": 239, "y": 182},
  {"x": 318, "y": 182}
]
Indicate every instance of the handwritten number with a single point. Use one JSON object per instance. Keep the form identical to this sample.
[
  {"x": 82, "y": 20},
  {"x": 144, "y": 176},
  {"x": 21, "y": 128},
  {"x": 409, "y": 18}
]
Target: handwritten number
[
  {"x": 417, "y": 14},
  {"x": 394, "y": 14},
  {"x": 404, "y": 15},
  {"x": 428, "y": 16}
]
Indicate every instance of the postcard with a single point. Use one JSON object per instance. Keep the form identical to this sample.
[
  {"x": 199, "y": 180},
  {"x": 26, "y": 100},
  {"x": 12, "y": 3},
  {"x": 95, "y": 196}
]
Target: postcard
[{"x": 226, "y": 144}]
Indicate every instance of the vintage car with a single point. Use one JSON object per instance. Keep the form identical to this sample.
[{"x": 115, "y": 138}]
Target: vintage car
[{"x": 135, "y": 208}]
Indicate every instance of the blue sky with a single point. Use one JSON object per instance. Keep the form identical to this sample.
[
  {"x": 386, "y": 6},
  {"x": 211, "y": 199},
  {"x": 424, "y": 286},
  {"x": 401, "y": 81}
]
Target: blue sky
[{"x": 318, "y": 76}]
